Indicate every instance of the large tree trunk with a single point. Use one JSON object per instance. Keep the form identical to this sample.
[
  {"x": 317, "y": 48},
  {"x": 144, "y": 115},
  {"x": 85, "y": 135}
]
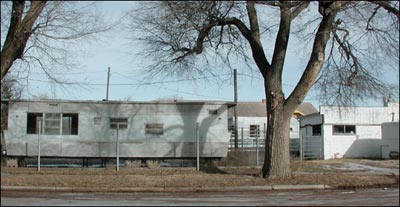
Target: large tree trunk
[
  {"x": 279, "y": 109},
  {"x": 19, "y": 32},
  {"x": 277, "y": 155}
]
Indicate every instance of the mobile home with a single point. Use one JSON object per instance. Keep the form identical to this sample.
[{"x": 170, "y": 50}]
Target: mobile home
[{"x": 98, "y": 129}]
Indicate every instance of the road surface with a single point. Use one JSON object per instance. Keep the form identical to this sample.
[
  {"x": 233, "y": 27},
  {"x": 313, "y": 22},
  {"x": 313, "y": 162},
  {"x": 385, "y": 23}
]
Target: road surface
[{"x": 362, "y": 197}]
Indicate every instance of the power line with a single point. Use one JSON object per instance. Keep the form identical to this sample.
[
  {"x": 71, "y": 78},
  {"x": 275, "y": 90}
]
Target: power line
[
  {"x": 71, "y": 73},
  {"x": 146, "y": 83},
  {"x": 172, "y": 81},
  {"x": 128, "y": 84},
  {"x": 193, "y": 94},
  {"x": 250, "y": 76},
  {"x": 154, "y": 84}
]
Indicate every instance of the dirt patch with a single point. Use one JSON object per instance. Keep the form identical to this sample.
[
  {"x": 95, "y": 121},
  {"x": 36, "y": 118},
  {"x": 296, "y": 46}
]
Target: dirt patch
[{"x": 304, "y": 172}]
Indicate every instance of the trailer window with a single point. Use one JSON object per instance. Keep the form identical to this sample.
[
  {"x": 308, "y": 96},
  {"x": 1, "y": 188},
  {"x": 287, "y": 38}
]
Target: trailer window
[
  {"x": 121, "y": 123},
  {"x": 33, "y": 123},
  {"x": 155, "y": 129},
  {"x": 97, "y": 120},
  {"x": 52, "y": 123},
  {"x": 213, "y": 112},
  {"x": 70, "y": 124},
  {"x": 344, "y": 129}
]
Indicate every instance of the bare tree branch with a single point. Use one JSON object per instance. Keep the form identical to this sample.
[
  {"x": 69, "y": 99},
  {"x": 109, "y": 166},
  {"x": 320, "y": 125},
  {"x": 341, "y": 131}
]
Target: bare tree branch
[
  {"x": 18, "y": 33},
  {"x": 281, "y": 43},
  {"x": 318, "y": 54},
  {"x": 388, "y": 7},
  {"x": 356, "y": 62},
  {"x": 45, "y": 33},
  {"x": 302, "y": 5},
  {"x": 255, "y": 41}
]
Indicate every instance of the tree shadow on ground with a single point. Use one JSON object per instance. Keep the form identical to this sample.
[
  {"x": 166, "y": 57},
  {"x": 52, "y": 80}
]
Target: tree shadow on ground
[{"x": 211, "y": 168}]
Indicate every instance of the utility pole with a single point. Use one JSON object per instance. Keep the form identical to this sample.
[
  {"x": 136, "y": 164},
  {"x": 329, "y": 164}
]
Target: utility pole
[
  {"x": 117, "y": 147},
  {"x": 108, "y": 82},
  {"x": 234, "y": 109},
  {"x": 197, "y": 147},
  {"x": 39, "y": 132}
]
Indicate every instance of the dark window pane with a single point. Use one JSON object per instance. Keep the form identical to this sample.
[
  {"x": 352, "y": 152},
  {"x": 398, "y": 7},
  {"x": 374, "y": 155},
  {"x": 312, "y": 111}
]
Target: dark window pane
[
  {"x": 33, "y": 123},
  {"x": 255, "y": 130},
  {"x": 350, "y": 129},
  {"x": 70, "y": 124},
  {"x": 121, "y": 123},
  {"x": 154, "y": 128},
  {"x": 338, "y": 129},
  {"x": 316, "y": 130}
]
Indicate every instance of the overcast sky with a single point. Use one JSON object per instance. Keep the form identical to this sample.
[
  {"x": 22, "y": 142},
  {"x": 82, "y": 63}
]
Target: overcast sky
[{"x": 125, "y": 84}]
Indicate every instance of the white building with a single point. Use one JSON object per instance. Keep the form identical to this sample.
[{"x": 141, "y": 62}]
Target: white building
[
  {"x": 346, "y": 131},
  {"x": 390, "y": 139},
  {"x": 254, "y": 115}
]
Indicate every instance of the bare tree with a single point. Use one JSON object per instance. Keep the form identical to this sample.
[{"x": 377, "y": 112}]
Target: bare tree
[
  {"x": 174, "y": 34},
  {"x": 365, "y": 40},
  {"x": 10, "y": 88},
  {"x": 41, "y": 34}
]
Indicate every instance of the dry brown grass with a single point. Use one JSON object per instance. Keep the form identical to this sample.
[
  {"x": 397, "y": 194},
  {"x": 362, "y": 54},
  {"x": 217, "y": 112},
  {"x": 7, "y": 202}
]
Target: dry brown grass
[{"x": 306, "y": 172}]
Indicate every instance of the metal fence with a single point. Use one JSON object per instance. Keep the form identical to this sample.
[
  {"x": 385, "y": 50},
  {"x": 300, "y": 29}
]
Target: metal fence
[
  {"x": 248, "y": 139},
  {"x": 252, "y": 140},
  {"x": 312, "y": 147}
]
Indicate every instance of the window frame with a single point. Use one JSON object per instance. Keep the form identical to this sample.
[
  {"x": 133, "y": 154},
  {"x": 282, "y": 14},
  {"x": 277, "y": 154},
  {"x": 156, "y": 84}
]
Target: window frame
[
  {"x": 55, "y": 126},
  {"x": 31, "y": 119},
  {"x": 97, "y": 120},
  {"x": 316, "y": 129},
  {"x": 254, "y": 130},
  {"x": 73, "y": 125},
  {"x": 154, "y": 129},
  {"x": 345, "y": 129},
  {"x": 51, "y": 125},
  {"x": 118, "y": 122},
  {"x": 213, "y": 111}
]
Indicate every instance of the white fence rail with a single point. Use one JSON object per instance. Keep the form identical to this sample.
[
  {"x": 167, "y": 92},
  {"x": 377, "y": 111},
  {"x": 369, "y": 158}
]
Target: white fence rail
[
  {"x": 312, "y": 147},
  {"x": 250, "y": 140}
]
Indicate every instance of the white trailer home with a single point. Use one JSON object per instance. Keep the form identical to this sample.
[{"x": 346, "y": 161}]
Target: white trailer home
[
  {"x": 337, "y": 132},
  {"x": 92, "y": 129}
]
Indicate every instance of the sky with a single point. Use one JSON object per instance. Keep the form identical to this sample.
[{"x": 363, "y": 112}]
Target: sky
[{"x": 114, "y": 51}]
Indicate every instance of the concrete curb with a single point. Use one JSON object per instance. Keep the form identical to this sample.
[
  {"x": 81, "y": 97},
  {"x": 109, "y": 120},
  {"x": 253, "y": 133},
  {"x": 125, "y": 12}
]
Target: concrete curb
[
  {"x": 186, "y": 189},
  {"x": 300, "y": 187}
]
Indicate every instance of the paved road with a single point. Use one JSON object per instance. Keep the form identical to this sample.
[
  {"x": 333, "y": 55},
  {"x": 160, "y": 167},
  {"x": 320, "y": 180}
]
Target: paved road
[{"x": 372, "y": 197}]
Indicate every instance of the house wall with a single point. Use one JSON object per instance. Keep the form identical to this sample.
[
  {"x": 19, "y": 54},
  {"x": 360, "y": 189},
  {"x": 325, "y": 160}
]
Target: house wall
[
  {"x": 178, "y": 140},
  {"x": 360, "y": 115},
  {"x": 390, "y": 138},
  {"x": 366, "y": 142},
  {"x": 361, "y": 144},
  {"x": 245, "y": 122}
]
